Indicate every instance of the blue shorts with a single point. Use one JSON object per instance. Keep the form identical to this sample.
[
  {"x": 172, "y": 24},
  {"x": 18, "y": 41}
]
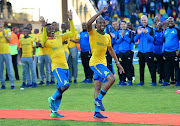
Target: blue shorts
[
  {"x": 62, "y": 77},
  {"x": 100, "y": 72}
]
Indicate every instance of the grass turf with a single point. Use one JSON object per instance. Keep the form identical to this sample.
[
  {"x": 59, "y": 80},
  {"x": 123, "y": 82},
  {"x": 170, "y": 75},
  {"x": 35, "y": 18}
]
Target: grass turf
[{"x": 79, "y": 96}]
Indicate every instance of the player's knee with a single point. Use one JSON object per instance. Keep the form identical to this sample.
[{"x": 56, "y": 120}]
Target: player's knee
[{"x": 111, "y": 79}]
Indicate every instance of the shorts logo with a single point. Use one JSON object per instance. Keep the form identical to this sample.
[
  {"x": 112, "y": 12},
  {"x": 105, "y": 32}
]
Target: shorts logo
[
  {"x": 105, "y": 72},
  {"x": 65, "y": 82}
]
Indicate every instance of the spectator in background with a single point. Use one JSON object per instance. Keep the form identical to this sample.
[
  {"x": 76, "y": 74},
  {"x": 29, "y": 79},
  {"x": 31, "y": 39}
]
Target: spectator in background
[
  {"x": 44, "y": 61},
  {"x": 36, "y": 31},
  {"x": 9, "y": 7},
  {"x": 171, "y": 51},
  {"x": 131, "y": 6},
  {"x": 157, "y": 50},
  {"x": 1, "y": 8},
  {"x": 124, "y": 55},
  {"x": 14, "y": 44},
  {"x": 20, "y": 32},
  {"x": 108, "y": 29},
  {"x": 122, "y": 7},
  {"x": 133, "y": 19},
  {"x": 5, "y": 38},
  {"x": 158, "y": 4},
  {"x": 133, "y": 34},
  {"x": 145, "y": 35},
  {"x": 165, "y": 4},
  {"x": 156, "y": 21},
  {"x": 152, "y": 5},
  {"x": 144, "y": 7},
  {"x": 73, "y": 57},
  {"x": 27, "y": 47},
  {"x": 138, "y": 3},
  {"x": 86, "y": 54}
]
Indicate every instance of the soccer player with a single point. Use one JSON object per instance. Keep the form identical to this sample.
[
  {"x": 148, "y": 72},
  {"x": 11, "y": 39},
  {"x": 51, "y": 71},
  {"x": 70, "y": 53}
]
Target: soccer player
[
  {"x": 99, "y": 42},
  {"x": 54, "y": 48},
  {"x": 5, "y": 38},
  {"x": 27, "y": 47}
]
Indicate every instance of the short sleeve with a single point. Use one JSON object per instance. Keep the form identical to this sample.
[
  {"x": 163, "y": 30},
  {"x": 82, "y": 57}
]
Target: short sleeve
[{"x": 109, "y": 44}]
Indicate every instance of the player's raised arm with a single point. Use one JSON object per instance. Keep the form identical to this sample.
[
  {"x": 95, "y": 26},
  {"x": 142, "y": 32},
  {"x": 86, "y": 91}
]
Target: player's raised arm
[
  {"x": 89, "y": 24},
  {"x": 44, "y": 23},
  {"x": 71, "y": 33}
]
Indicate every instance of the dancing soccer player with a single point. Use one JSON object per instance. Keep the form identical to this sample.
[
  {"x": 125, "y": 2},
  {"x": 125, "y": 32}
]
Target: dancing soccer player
[
  {"x": 99, "y": 42},
  {"x": 60, "y": 68}
]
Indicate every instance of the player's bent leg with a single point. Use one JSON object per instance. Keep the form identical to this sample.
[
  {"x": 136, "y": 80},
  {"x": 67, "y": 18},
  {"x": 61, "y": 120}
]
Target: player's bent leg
[
  {"x": 62, "y": 85},
  {"x": 109, "y": 83}
]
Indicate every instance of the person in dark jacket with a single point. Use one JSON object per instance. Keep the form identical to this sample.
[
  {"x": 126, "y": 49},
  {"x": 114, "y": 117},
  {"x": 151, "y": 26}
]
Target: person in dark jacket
[
  {"x": 145, "y": 35},
  {"x": 157, "y": 50},
  {"x": 171, "y": 51},
  {"x": 125, "y": 55}
]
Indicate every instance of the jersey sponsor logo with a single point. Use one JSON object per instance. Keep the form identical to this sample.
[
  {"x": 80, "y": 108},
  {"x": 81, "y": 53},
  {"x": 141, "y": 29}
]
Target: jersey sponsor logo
[
  {"x": 55, "y": 48},
  {"x": 173, "y": 32},
  {"x": 126, "y": 33},
  {"x": 101, "y": 44}
]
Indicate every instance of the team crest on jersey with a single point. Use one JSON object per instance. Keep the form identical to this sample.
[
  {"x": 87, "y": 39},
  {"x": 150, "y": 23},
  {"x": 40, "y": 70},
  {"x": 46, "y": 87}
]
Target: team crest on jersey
[
  {"x": 126, "y": 33},
  {"x": 105, "y": 72},
  {"x": 173, "y": 32}
]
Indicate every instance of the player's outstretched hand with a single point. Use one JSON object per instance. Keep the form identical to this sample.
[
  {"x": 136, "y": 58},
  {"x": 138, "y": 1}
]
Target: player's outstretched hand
[
  {"x": 70, "y": 15},
  {"x": 43, "y": 22},
  {"x": 104, "y": 9},
  {"x": 121, "y": 69}
]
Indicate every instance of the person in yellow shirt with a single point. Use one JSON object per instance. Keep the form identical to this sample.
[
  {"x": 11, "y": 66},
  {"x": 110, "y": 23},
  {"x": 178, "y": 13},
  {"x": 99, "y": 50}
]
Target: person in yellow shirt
[
  {"x": 65, "y": 43},
  {"x": 54, "y": 48},
  {"x": 73, "y": 57},
  {"x": 5, "y": 38},
  {"x": 99, "y": 43},
  {"x": 34, "y": 36},
  {"x": 43, "y": 60},
  {"x": 14, "y": 52},
  {"x": 27, "y": 53}
]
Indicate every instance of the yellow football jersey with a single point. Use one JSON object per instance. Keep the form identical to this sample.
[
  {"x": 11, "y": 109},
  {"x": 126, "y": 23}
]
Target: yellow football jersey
[
  {"x": 4, "y": 44},
  {"x": 33, "y": 35},
  {"x": 42, "y": 51},
  {"x": 73, "y": 44},
  {"x": 99, "y": 43},
  {"x": 55, "y": 49},
  {"x": 27, "y": 45}
]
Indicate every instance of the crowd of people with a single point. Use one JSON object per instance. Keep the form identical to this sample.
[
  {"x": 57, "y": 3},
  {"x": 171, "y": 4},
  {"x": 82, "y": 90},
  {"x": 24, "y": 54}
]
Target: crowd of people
[{"x": 132, "y": 10}]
